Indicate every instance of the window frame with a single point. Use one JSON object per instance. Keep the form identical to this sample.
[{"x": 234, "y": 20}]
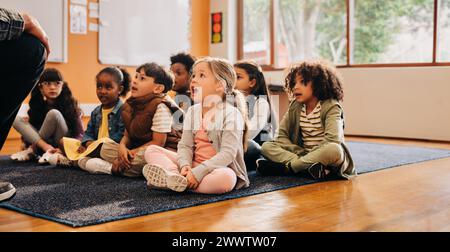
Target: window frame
[{"x": 271, "y": 67}]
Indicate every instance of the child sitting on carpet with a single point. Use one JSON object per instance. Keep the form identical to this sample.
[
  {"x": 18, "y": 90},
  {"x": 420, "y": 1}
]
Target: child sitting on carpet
[
  {"x": 148, "y": 116},
  {"x": 210, "y": 156},
  {"x": 310, "y": 137},
  {"x": 53, "y": 114},
  {"x": 105, "y": 123},
  {"x": 251, "y": 82},
  {"x": 181, "y": 66}
]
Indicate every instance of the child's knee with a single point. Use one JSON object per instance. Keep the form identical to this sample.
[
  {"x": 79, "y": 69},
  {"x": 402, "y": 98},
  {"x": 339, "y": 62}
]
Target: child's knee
[
  {"x": 334, "y": 153},
  {"x": 151, "y": 151},
  {"x": 18, "y": 121},
  {"x": 54, "y": 114},
  {"x": 228, "y": 180},
  {"x": 222, "y": 180},
  {"x": 267, "y": 147}
]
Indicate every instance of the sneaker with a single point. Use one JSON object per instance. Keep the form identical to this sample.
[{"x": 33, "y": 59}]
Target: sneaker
[
  {"x": 24, "y": 155},
  {"x": 58, "y": 159},
  {"x": 45, "y": 157},
  {"x": 159, "y": 178},
  {"x": 97, "y": 166},
  {"x": 82, "y": 162},
  {"x": 7, "y": 190},
  {"x": 318, "y": 171},
  {"x": 269, "y": 168}
]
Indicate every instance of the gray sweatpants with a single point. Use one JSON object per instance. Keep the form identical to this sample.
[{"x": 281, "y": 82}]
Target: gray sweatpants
[{"x": 52, "y": 130}]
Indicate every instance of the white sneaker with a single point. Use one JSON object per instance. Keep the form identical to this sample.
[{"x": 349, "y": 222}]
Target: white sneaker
[
  {"x": 45, "y": 157},
  {"x": 158, "y": 177},
  {"x": 7, "y": 190},
  {"x": 82, "y": 162},
  {"x": 97, "y": 166},
  {"x": 59, "y": 159},
  {"x": 24, "y": 155}
]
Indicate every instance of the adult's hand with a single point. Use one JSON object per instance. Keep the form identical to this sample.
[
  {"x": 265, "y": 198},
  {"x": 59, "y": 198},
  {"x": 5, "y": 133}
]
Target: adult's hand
[{"x": 33, "y": 27}]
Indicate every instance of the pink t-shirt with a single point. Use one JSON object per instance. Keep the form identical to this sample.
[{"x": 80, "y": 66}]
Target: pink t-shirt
[{"x": 204, "y": 149}]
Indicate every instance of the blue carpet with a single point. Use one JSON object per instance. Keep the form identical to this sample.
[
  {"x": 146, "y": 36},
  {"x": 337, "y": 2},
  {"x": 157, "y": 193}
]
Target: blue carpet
[{"x": 76, "y": 198}]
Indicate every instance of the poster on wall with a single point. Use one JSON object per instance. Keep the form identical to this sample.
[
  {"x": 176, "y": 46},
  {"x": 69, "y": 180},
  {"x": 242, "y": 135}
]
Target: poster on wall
[
  {"x": 216, "y": 28},
  {"x": 78, "y": 19}
]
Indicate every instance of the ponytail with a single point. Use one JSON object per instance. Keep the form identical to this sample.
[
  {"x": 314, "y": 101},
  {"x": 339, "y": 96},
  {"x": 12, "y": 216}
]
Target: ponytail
[
  {"x": 126, "y": 80},
  {"x": 240, "y": 104}
]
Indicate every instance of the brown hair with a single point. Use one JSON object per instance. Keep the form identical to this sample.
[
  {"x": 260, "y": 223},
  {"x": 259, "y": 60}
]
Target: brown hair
[{"x": 326, "y": 81}]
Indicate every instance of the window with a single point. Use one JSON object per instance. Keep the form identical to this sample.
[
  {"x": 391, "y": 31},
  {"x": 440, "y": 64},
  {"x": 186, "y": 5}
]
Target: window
[
  {"x": 346, "y": 32},
  {"x": 392, "y": 31},
  {"x": 310, "y": 29},
  {"x": 444, "y": 31},
  {"x": 256, "y": 31}
]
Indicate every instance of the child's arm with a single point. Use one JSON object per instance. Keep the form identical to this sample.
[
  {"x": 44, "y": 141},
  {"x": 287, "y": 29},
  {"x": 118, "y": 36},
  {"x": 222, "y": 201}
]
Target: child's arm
[
  {"x": 158, "y": 139},
  {"x": 79, "y": 128},
  {"x": 89, "y": 133},
  {"x": 186, "y": 144},
  {"x": 334, "y": 125},
  {"x": 124, "y": 152},
  {"x": 121, "y": 129},
  {"x": 282, "y": 135},
  {"x": 260, "y": 117}
]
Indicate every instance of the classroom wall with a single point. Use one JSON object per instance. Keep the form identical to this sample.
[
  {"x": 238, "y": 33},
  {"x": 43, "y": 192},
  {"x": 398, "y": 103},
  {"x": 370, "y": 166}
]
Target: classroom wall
[
  {"x": 83, "y": 62},
  {"x": 400, "y": 102}
]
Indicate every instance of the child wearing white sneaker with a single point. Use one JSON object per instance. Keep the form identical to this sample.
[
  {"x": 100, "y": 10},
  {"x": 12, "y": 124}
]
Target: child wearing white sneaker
[
  {"x": 53, "y": 114},
  {"x": 210, "y": 157},
  {"x": 150, "y": 116},
  {"x": 105, "y": 124}
]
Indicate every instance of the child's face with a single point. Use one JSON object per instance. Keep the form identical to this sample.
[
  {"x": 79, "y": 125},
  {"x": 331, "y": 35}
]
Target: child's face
[
  {"x": 244, "y": 84},
  {"x": 108, "y": 90},
  {"x": 181, "y": 84},
  {"x": 204, "y": 84},
  {"x": 51, "y": 89},
  {"x": 144, "y": 85},
  {"x": 303, "y": 92}
]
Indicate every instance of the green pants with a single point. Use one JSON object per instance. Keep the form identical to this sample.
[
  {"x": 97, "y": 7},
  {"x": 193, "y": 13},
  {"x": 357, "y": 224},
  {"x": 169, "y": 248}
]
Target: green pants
[{"x": 296, "y": 157}]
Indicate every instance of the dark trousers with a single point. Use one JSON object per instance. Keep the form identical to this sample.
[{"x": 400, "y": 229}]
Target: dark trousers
[
  {"x": 22, "y": 62},
  {"x": 252, "y": 154}
]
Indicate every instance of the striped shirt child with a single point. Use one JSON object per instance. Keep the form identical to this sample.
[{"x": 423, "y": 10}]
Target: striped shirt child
[{"x": 311, "y": 126}]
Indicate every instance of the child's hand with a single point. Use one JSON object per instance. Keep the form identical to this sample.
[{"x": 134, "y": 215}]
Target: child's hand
[
  {"x": 116, "y": 168},
  {"x": 192, "y": 181},
  {"x": 133, "y": 153},
  {"x": 184, "y": 171},
  {"x": 124, "y": 154},
  {"x": 88, "y": 143},
  {"x": 81, "y": 149},
  {"x": 54, "y": 150}
]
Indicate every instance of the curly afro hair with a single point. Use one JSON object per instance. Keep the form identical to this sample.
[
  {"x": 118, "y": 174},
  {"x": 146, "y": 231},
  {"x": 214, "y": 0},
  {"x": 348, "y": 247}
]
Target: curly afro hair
[
  {"x": 326, "y": 81},
  {"x": 185, "y": 59}
]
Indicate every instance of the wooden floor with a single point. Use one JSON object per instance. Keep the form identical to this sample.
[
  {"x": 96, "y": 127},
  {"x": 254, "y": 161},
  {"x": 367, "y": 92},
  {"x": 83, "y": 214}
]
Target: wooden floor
[{"x": 408, "y": 198}]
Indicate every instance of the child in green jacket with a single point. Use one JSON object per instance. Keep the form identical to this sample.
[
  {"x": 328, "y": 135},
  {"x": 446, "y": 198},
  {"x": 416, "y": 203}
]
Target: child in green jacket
[{"x": 310, "y": 138}]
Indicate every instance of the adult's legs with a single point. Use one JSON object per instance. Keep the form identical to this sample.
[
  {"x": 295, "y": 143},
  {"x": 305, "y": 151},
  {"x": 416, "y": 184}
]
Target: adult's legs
[{"x": 22, "y": 63}]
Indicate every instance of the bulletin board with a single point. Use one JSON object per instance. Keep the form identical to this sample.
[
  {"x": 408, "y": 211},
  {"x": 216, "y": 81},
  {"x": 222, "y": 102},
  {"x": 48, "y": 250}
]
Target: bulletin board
[
  {"x": 53, "y": 17},
  {"x": 132, "y": 32}
]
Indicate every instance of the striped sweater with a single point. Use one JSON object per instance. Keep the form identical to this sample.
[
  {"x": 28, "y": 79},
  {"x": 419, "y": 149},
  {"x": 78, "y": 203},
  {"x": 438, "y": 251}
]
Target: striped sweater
[{"x": 311, "y": 126}]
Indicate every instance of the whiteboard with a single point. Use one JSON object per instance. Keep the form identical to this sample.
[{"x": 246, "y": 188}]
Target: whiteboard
[
  {"x": 52, "y": 15},
  {"x": 133, "y": 32}
]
